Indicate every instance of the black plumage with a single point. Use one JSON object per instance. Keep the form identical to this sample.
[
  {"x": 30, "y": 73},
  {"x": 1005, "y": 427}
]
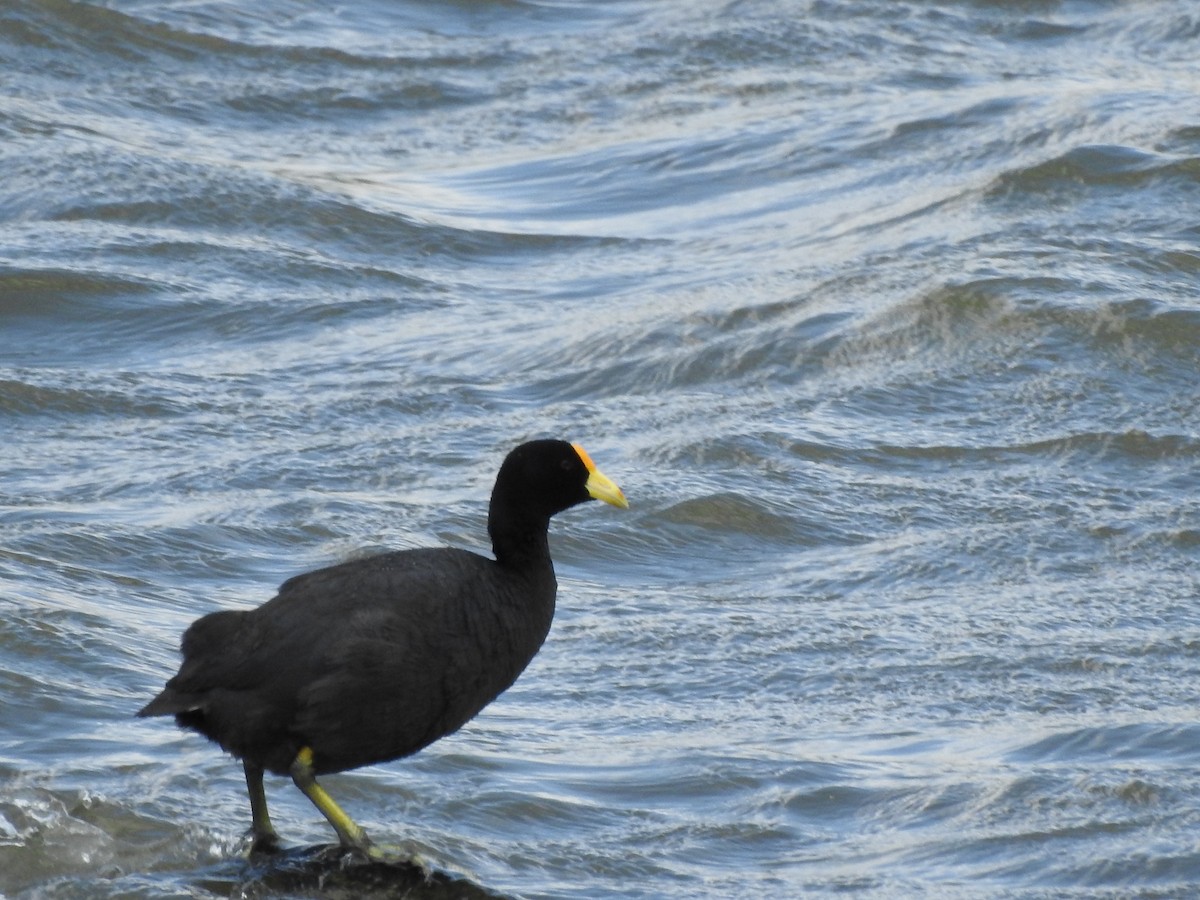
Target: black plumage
[{"x": 374, "y": 659}]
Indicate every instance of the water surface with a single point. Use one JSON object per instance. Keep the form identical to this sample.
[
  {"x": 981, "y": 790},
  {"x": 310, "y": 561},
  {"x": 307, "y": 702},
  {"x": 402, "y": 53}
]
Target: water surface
[{"x": 883, "y": 314}]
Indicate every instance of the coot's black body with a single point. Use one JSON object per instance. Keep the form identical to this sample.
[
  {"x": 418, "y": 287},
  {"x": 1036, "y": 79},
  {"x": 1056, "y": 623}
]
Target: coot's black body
[
  {"x": 326, "y": 665},
  {"x": 374, "y": 659}
]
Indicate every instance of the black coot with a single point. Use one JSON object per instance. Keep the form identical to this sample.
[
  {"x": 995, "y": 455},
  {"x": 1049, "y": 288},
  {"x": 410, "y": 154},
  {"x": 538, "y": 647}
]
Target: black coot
[{"x": 376, "y": 658}]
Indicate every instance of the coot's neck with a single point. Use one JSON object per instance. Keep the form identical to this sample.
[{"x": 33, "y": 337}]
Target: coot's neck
[{"x": 519, "y": 542}]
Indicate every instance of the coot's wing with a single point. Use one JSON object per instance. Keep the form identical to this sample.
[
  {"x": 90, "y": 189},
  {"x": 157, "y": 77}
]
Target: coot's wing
[{"x": 401, "y": 675}]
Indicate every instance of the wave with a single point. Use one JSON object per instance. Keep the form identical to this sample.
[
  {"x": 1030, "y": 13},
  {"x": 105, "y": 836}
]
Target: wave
[{"x": 1100, "y": 165}]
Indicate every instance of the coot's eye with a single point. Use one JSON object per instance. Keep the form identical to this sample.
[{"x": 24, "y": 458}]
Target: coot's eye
[{"x": 565, "y": 465}]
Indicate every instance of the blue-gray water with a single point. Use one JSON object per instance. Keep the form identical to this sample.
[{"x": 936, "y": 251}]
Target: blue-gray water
[{"x": 886, "y": 316}]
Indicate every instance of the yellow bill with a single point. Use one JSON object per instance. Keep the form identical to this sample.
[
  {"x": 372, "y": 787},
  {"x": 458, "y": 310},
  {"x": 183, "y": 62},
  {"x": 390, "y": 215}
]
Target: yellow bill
[{"x": 599, "y": 486}]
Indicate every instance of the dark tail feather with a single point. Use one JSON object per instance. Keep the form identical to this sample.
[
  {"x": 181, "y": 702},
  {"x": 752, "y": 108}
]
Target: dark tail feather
[{"x": 168, "y": 703}]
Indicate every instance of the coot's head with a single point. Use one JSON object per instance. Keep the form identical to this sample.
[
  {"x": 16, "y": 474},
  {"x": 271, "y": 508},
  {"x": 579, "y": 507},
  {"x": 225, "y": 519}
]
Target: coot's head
[{"x": 541, "y": 478}]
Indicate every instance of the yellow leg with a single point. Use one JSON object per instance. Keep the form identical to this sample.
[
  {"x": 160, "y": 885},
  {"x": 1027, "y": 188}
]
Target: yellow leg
[
  {"x": 348, "y": 832},
  {"x": 263, "y": 832}
]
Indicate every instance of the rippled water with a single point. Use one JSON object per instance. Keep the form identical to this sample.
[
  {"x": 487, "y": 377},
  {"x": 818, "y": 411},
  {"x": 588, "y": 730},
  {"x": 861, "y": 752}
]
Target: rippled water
[{"x": 884, "y": 314}]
